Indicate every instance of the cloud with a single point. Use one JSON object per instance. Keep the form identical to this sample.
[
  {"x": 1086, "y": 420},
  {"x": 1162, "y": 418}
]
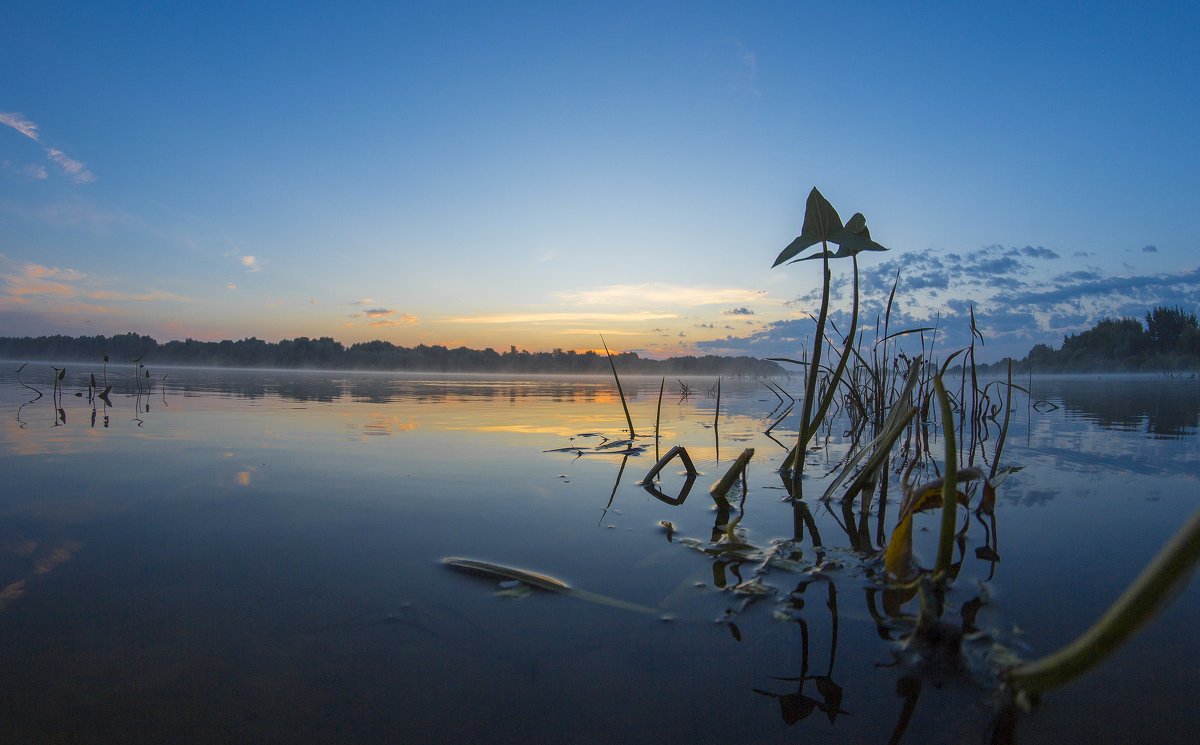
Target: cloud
[
  {"x": 231, "y": 286},
  {"x": 1039, "y": 253},
  {"x": 1149, "y": 249},
  {"x": 78, "y": 172},
  {"x": 538, "y": 318},
  {"x": 377, "y": 312},
  {"x": 364, "y": 301},
  {"x": 743, "y": 311},
  {"x": 661, "y": 295},
  {"x": 749, "y": 62},
  {"x": 106, "y": 295},
  {"x": 404, "y": 319},
  {"x": 73, "y": 168},
  {"x": 251, "y": 263},
  {"x": 35, "y": 279},
  {"x": 20, "y": 123},
  {"x": 31, "y": 170},
  {"x": 1020, "y": 297}
]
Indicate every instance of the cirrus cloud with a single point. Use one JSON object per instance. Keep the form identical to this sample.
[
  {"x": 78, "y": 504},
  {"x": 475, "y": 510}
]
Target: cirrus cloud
[{"x": 76, "y": 170}]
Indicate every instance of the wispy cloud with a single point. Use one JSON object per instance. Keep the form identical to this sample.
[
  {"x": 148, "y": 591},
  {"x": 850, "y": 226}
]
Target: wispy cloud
[
  {"x": 75, "y": 169},
  {"x": 34, "y": 283},
  {"x": 30, "y": 170},
  {"x": 377, "y": 312},
  {"x": 660, "y": 295},
  {"x": 251, "y": 263},
  {"x": 20, "y": 123},
  {"x": 404, "y": 319},
  {"x": 78, "y": 172},
  {"x": 145, "y": 296},
  {"x": 34, "y": 279},
  {"x": 550, "y": 318},
  {"x": 743, "y": 311}
]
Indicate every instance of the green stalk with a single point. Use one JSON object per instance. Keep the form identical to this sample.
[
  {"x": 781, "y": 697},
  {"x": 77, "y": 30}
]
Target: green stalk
[
  {"x": 949, "y": 483},
  {"x": 1137, "y": 605},
  {"x": 658, "y": 414},
  {"x": 810, "y": 383},
  {"x": 841, "y": 368}
]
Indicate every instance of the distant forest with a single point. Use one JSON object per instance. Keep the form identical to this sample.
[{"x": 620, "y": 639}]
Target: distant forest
[
  {"x": 328, "y": 354},
  {"x": 1169, "y": 340}
]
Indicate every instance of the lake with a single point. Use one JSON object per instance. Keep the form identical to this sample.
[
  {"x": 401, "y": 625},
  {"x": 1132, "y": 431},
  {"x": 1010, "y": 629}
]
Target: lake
[{"x": 257, "y": 556}]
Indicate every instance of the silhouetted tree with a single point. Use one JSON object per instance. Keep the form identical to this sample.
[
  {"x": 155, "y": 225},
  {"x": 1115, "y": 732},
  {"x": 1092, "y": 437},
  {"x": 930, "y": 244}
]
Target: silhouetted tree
[{"x": 1165, "y": 326}]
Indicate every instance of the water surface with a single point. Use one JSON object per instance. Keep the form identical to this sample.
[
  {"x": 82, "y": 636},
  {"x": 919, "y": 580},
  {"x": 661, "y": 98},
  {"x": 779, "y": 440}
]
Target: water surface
[{"x": 255, "y": 556}]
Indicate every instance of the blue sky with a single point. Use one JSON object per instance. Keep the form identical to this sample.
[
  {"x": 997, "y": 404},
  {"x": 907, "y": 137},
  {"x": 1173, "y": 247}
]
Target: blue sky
[{"x": 534, "y": 174}]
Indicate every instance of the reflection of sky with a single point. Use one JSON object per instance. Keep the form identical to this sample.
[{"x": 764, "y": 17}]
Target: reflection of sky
[{"x": 309, "y": 495}]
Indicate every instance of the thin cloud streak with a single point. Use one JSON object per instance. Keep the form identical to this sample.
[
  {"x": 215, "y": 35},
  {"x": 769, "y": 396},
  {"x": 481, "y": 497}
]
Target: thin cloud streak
[
  {"x": 661, "y": 294},
  {"x": 21, "y": 124},
  {"x": 73, "y": 168},
  {"x": 538, "y": 318},
  {"x": 404, "y": 319}
]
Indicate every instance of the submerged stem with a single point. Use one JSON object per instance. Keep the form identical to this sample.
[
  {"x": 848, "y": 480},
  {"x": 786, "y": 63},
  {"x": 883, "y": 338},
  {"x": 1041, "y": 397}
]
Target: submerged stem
[{"x": 1137, "y": 605}]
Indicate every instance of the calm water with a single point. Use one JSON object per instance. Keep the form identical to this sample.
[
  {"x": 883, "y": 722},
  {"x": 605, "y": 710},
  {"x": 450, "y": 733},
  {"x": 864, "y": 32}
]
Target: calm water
[{"x": 256, "y": 557}]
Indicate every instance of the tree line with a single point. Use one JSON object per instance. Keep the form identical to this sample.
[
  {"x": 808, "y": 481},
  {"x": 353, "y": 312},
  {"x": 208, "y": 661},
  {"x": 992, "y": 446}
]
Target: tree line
[
  {"x": 1169, "y": 339},
  {"x": 327, "y": 353}
]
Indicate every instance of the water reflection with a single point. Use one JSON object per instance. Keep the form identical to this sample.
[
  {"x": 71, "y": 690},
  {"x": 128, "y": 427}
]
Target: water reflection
[
  {"x": 239, "y": 513},
  {"x": 1158, "y": 405}
]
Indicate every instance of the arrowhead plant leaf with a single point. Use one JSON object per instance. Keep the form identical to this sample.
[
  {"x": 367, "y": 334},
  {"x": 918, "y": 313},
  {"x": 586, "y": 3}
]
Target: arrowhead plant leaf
[{"x": 821, "y": 223}]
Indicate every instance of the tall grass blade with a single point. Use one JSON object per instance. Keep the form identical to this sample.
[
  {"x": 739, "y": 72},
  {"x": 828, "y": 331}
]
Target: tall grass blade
[
  {"x": 658, "y": 415},
  {"x": 620, "y": 390}
]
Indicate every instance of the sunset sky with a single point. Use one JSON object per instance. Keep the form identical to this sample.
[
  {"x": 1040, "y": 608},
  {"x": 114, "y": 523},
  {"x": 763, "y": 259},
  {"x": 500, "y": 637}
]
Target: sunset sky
[{"x": 538, "y": 173}]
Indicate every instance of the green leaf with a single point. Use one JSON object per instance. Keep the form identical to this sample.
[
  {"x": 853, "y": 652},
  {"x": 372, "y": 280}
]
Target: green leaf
[
  {"x": 821, "y": 222},
  {"x": 857, "y": 223}
]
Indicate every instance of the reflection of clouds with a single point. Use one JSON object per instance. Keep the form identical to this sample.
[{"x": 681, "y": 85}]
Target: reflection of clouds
[
  {"x": 380, "y": 425},
  {"x": 43, "y": 564}
]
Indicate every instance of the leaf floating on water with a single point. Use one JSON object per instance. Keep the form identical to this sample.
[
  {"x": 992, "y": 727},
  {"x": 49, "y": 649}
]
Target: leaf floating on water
[{"x": 498, "y": 571}]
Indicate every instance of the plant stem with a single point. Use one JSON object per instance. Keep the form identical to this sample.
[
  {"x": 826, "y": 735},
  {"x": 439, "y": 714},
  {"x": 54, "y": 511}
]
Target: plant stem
[
  {"x": 1138, "y": 604},
  {"x": 949, "y": 483}
]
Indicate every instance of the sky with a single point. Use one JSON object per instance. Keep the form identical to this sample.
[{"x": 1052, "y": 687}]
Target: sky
[{"x": 536, "y": 174}]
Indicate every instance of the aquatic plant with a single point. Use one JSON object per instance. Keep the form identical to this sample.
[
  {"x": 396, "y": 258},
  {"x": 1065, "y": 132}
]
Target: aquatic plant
[
  {"x": 1147, "y": 595},
  {"x": 620, "y": 390},
  {"x": 823, "y": 225}
]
